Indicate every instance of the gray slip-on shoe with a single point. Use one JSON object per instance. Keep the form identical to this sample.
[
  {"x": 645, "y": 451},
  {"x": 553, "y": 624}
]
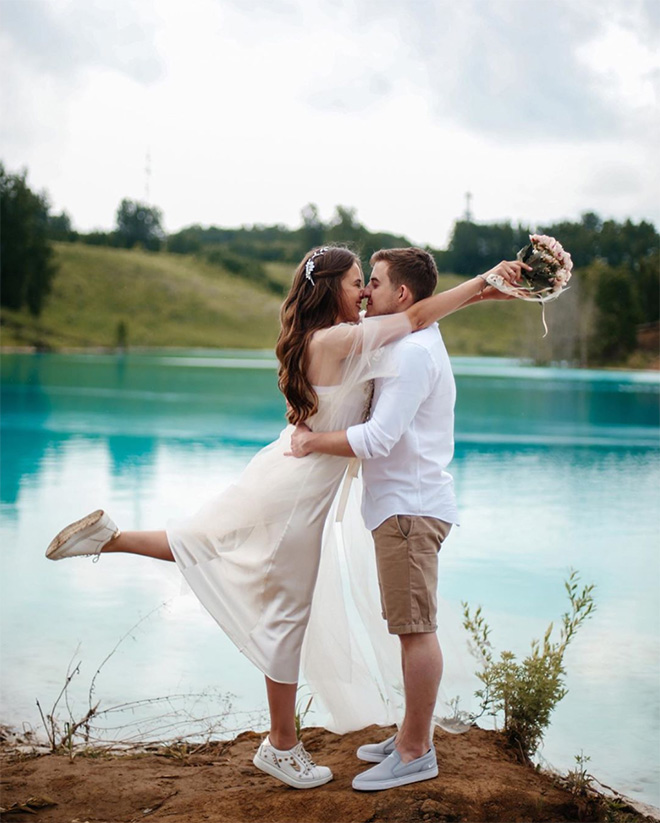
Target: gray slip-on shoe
[
  {"x": 376, "y": 752},
  {"x": 392, "y": 772}
]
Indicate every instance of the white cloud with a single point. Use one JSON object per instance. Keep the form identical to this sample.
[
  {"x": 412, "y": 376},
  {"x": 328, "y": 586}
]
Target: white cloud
[
  {"x": 542, "y": 110},
  {"x": 66, "y": 37}
]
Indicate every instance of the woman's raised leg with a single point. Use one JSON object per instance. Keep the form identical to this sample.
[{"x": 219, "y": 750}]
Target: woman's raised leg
[
  {"x": 148, "y": 544},
  {"x": 97, "y": 533}
]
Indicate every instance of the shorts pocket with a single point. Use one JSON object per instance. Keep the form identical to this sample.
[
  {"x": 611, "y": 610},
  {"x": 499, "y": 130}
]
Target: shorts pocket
[{"x": 405, "y": 525}]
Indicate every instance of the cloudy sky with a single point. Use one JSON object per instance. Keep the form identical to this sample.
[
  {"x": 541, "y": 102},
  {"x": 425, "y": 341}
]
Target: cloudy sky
[{"x": 249, "y": 109}]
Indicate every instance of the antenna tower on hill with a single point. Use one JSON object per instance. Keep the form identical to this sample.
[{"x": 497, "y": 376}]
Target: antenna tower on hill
[
  {"x": 147, "y": 177},
  {"x": 468, "y": 211}
]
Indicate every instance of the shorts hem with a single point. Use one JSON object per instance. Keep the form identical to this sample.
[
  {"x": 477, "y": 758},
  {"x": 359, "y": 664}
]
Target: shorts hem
[{"x": 413, "y": 628}]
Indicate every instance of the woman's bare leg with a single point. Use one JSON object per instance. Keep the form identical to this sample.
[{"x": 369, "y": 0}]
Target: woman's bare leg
[
  {"x": 281, "y": 696},
  {"x": 282, "y": 705},
  {"x": 147, "y": 544}
]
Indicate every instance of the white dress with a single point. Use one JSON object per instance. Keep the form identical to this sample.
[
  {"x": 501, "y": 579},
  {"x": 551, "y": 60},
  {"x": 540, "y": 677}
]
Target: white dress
[{"x": 252, "y": 556}]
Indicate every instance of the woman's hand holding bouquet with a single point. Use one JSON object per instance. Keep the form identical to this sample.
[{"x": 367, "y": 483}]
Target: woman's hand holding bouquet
[{"x": 548, "y": 271}]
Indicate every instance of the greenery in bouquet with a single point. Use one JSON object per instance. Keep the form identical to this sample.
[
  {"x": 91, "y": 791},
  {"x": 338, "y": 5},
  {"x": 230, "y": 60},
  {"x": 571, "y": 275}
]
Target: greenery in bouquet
[{"x": 551, "y": 265}]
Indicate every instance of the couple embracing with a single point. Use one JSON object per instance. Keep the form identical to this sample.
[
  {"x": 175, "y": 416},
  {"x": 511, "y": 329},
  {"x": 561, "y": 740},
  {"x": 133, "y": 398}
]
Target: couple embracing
[{"x": 262, "y": 557}]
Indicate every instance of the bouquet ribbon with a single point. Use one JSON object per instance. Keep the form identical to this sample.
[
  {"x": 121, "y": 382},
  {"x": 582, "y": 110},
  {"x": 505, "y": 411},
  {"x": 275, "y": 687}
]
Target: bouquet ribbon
[{"x": 524, "y": 293}]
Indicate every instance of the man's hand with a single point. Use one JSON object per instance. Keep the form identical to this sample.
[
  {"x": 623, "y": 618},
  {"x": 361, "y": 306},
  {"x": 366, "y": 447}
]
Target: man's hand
[{"x": 300, "y": 441}]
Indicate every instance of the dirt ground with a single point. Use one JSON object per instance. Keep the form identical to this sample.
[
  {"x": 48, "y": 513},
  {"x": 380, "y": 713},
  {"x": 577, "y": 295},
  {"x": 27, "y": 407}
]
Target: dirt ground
[{"x": 479, "y": 780}]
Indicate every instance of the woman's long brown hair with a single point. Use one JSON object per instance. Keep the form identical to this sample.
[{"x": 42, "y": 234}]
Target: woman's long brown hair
[{"x": 307, "y": 309}]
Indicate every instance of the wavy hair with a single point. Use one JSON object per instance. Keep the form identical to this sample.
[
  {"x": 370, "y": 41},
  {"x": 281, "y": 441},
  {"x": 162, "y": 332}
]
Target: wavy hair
[{"x": 309, "y": 307}]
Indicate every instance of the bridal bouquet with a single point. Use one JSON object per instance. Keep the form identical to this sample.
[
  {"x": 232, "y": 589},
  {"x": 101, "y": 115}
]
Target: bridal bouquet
[
  {"x": 551, "y": 265},
  {"x": 550, "y": 272}
]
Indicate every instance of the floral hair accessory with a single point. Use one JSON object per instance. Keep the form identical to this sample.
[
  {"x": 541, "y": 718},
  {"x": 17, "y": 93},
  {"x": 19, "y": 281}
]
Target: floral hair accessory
[{"x": 310, "y": 265}]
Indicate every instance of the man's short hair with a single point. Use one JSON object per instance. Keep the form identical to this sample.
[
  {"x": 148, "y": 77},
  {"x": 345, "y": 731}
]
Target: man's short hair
[{"x": 412, "y": 267}]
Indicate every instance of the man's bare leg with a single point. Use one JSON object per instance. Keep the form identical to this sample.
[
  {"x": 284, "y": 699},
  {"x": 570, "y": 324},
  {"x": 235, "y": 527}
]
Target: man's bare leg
[
  {"x": 148, "y": 544},
  {"x": 422, "y": 671}
]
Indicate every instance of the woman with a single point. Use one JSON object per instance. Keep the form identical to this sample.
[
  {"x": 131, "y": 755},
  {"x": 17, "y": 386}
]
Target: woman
[{"x": 251, "y": 554}]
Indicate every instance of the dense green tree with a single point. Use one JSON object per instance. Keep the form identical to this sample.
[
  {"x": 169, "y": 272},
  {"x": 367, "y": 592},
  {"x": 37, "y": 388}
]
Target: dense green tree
[
  {"x": 615, "y": 243},
  {"x": 626, "y": 242},
  {"x": 139, "y": 224},
  {"x": 313, "y": 229},
  {"x": 647, "y": 280},
  {"x": 475, "y": 247},
  {"x": 345, "y": 227},
  {"x": 280, "y": 243},
  {"x": 60, "y": 228},
  {"x": 580, "y": 239},
  {"x": 25, "y": 253},
  {"x": 617, "y": 315},
  {"x": 632, "y": 248},
  {"x": 186, "y": 241},
  {"x": 616, "y": 285},
  {"x": 100, "y": 238}
]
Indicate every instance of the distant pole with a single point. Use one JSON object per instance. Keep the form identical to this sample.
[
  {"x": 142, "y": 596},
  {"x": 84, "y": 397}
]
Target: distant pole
[
  {"x": 147, "y": 177},
  {"x": 468, "y": 211}
]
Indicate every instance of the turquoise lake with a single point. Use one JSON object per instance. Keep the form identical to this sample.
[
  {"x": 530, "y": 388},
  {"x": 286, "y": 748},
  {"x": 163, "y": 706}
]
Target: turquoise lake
[{"x": 554, "y": 469}]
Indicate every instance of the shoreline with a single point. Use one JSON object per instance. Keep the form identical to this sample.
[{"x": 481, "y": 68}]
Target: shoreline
[
  {"x": 650, "y": 368},
  {"x": 480, "y": 779}
]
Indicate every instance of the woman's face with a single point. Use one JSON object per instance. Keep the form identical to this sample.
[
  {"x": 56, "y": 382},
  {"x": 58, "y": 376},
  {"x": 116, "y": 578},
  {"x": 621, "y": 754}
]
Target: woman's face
[{"x": 352, "y": 287}]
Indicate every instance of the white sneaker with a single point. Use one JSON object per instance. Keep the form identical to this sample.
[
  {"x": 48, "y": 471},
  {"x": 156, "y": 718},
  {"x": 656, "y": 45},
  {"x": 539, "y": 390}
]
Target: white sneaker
[
  {"x": 294, "y": 767},
  {"x": 84, "y": 537}
]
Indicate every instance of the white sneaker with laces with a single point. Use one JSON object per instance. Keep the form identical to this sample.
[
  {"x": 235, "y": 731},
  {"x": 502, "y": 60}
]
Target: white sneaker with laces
[
  {"x": 86, "y": 536},
  {"x": 294, "y": 767}
]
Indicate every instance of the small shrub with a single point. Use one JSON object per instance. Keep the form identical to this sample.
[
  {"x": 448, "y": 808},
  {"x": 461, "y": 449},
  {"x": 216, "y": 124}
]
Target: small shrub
[
  {"x": 526, "y": 692},
  {"x": 578, "y": 780},
  {"x": 301, "y": 713}
]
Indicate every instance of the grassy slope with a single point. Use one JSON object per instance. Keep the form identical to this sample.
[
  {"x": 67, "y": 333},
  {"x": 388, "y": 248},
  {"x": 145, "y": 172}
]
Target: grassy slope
[
  {"x": 281, "y": 272},
  {"x": 164, "y": 300},
  {"x": 492, "y": 328},
  {"x": 173, "y": 300}
]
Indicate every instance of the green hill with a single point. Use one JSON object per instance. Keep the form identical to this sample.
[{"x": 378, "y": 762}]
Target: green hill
[
  {"x": 172, "y": 300},
  {"x": 162, "y": 299}
]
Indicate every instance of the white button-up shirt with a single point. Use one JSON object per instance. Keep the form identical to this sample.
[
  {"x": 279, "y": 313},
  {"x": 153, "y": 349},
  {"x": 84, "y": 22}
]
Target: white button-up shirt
[{"x": 408, "y": 442}]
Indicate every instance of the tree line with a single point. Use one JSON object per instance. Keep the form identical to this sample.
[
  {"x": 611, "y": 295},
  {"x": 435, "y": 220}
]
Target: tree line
[{"x": 617, "y": 289}]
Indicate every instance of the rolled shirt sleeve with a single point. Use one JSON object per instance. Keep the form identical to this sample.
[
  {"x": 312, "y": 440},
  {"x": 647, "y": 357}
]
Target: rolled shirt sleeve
[{"x": 397, "y": 404}]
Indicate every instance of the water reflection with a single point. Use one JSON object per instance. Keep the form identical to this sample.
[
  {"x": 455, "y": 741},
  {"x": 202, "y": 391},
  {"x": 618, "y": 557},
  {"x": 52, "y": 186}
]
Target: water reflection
[{"x": 553, "y": 470}]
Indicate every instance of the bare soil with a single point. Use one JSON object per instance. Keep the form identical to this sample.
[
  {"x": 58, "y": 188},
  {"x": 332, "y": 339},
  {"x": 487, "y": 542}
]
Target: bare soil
[{"x": 479, "y": 780}]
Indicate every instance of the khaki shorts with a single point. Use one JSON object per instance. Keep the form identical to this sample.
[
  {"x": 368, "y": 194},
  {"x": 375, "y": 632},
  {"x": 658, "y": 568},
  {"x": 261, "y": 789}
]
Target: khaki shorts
[{"x": 407, "y": 558}]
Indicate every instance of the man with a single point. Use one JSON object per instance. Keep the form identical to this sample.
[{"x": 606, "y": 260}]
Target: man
[{"x": 408, "y": 501}]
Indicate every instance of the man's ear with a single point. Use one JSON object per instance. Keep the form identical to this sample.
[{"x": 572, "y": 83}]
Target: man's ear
[{"x": 404, "y": 295}]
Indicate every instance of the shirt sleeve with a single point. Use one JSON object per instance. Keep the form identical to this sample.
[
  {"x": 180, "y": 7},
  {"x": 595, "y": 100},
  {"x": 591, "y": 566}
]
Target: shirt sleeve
[{"x": 399, "y": 399}]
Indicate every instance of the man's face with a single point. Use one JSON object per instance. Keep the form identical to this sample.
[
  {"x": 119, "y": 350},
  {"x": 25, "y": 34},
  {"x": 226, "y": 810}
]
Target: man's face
[{"x": 380, "y": 294}]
